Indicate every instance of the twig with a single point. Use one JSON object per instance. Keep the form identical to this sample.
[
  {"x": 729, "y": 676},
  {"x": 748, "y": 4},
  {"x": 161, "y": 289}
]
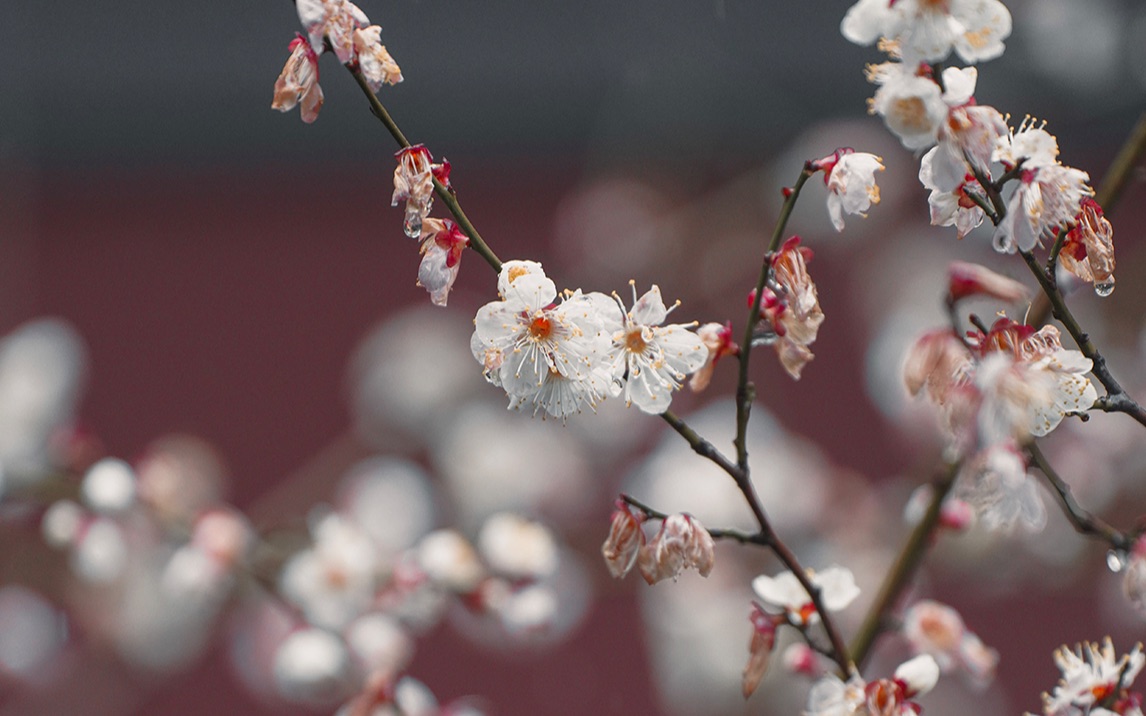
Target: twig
[
  {"x": 906, "y": 564},
  {"x": 1117, "y": 400},
  {"x": 1084, "y": 522},
  {"x": 718, "y": 533}
]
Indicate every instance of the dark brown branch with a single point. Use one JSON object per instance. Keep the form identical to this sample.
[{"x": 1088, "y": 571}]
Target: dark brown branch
[{"x": 1083, "y": 521}]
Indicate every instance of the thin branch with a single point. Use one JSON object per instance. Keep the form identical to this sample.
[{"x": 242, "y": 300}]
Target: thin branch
[
  {"x": 906, "y": 564},
  {"x": 767, "y": 537},
  {"x": 1118, "y": 400},
  {"x": 1120, "y": 170},
  {"x": 767, "y": 534},
  {"x": 708, "y": 451},
  {"x": 447, "y": 196},
  {"x": 745, "y": 391},
  {"x": 1084, "y": 522},
  {"x": 718, "y": 533}
]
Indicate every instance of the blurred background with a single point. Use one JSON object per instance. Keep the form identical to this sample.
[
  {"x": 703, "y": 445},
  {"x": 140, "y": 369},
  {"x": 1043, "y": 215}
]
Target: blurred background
[{"x": 223, "y": 271}]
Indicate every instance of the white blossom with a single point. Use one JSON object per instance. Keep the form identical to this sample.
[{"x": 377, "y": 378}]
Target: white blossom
[
  {"x": 924, "y": 30},
  {"x": 837, "y": 590},
  {"x": 545, "y": 354},
  {"x": 1091, "y": 674},
  {"x": 648, "y": 361},
  {"x": 851, "y": 186}
]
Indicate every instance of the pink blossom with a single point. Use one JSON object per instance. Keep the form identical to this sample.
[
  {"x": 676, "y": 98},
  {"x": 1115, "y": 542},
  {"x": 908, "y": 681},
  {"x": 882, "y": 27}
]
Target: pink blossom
[
  {"x": 376, "y": 64},
  {"x": 759, "y": 649},
  {"x": 850, "y": 177},
  {"x": 967, "y": 279},
  {"x": 298, "y": 82},
  {"x": 718, "y": 339},
  {"x": 625, "y": 540},
  {"x": 790, "y": 307},
  {"x": 442, "y": 246},
  {"x": 682, "y": 543},
  {"x": 414, "y": 183},
  {"x": 1088, "y": 250},
  {"x": 334, "y": 20}
]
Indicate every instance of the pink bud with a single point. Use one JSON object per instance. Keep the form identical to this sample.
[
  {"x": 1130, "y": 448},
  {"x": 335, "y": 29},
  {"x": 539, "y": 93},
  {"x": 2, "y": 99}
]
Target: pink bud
[
  {"x": 759, "y": 649},
  {"x": 967, "y": 279},
  {"x": 624, "y": 541}
]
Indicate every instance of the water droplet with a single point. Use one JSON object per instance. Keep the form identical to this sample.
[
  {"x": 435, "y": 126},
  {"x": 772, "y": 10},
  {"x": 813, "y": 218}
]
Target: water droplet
[
  {"x": 764, "y": 335},
  {"x": 1116, "y": 560},
  {"x": 1104, "y": 289},
  {"x": 413, "y": 225}
]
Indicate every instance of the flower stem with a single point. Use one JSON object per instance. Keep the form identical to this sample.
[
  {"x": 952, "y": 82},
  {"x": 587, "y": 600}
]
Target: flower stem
[{"x": 906, "y": 564}]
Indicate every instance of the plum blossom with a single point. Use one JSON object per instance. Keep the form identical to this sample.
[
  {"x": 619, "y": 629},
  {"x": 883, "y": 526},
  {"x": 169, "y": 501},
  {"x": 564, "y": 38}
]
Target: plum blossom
[
  {"x": 334, "y": 580},
  {"x": 938, "y": 630},
  {"x": 335, "y": 20},
  {"x": 414, "y": 183},
  {"x": 911, "y": 104},
  {"x": 648, "y": 361},
  {"x": 442, "y": 246},
  {"x": 1095, "y": 682},
  {"x": 625, "y": 539},
  {"x": 376, "y": 64},
  {"x": 547, "y": 354},
  {"x": 966, "y": 141},
  {"x": 997, "y": 487},
  {"x": 718, "y": 339},
  {"x": 298, "y": 82},
  {"x": 1088, "y": 250},
  {"x": 850, "y": 178},
  {"x": 759, "y": 649},
  {"x": 926, "y": 30},
  {"x": 1048, "y": 194},
  {"x": 1056, "y": 378},
  {"x": 967, "y": 279},
  {"x": 517, "y": 548},
  {"x": 682, "y": 543},
  {"x": 955, "y": 206},
  {"x": 1014, "y": 383},
  {"x": 837, "y": 590},
  {"x": 790, "y": 308},
  {"x": 831, "y": 696}
]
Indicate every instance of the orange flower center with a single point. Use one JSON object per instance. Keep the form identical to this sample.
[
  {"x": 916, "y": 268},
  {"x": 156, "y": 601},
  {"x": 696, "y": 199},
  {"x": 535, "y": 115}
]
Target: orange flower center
[
  {"x": 634, "y": 342},
  {"x": 540, "y": 327}
]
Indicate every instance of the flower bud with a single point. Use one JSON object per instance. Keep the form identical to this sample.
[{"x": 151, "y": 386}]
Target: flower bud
[{"x": 624, "y": 541}]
